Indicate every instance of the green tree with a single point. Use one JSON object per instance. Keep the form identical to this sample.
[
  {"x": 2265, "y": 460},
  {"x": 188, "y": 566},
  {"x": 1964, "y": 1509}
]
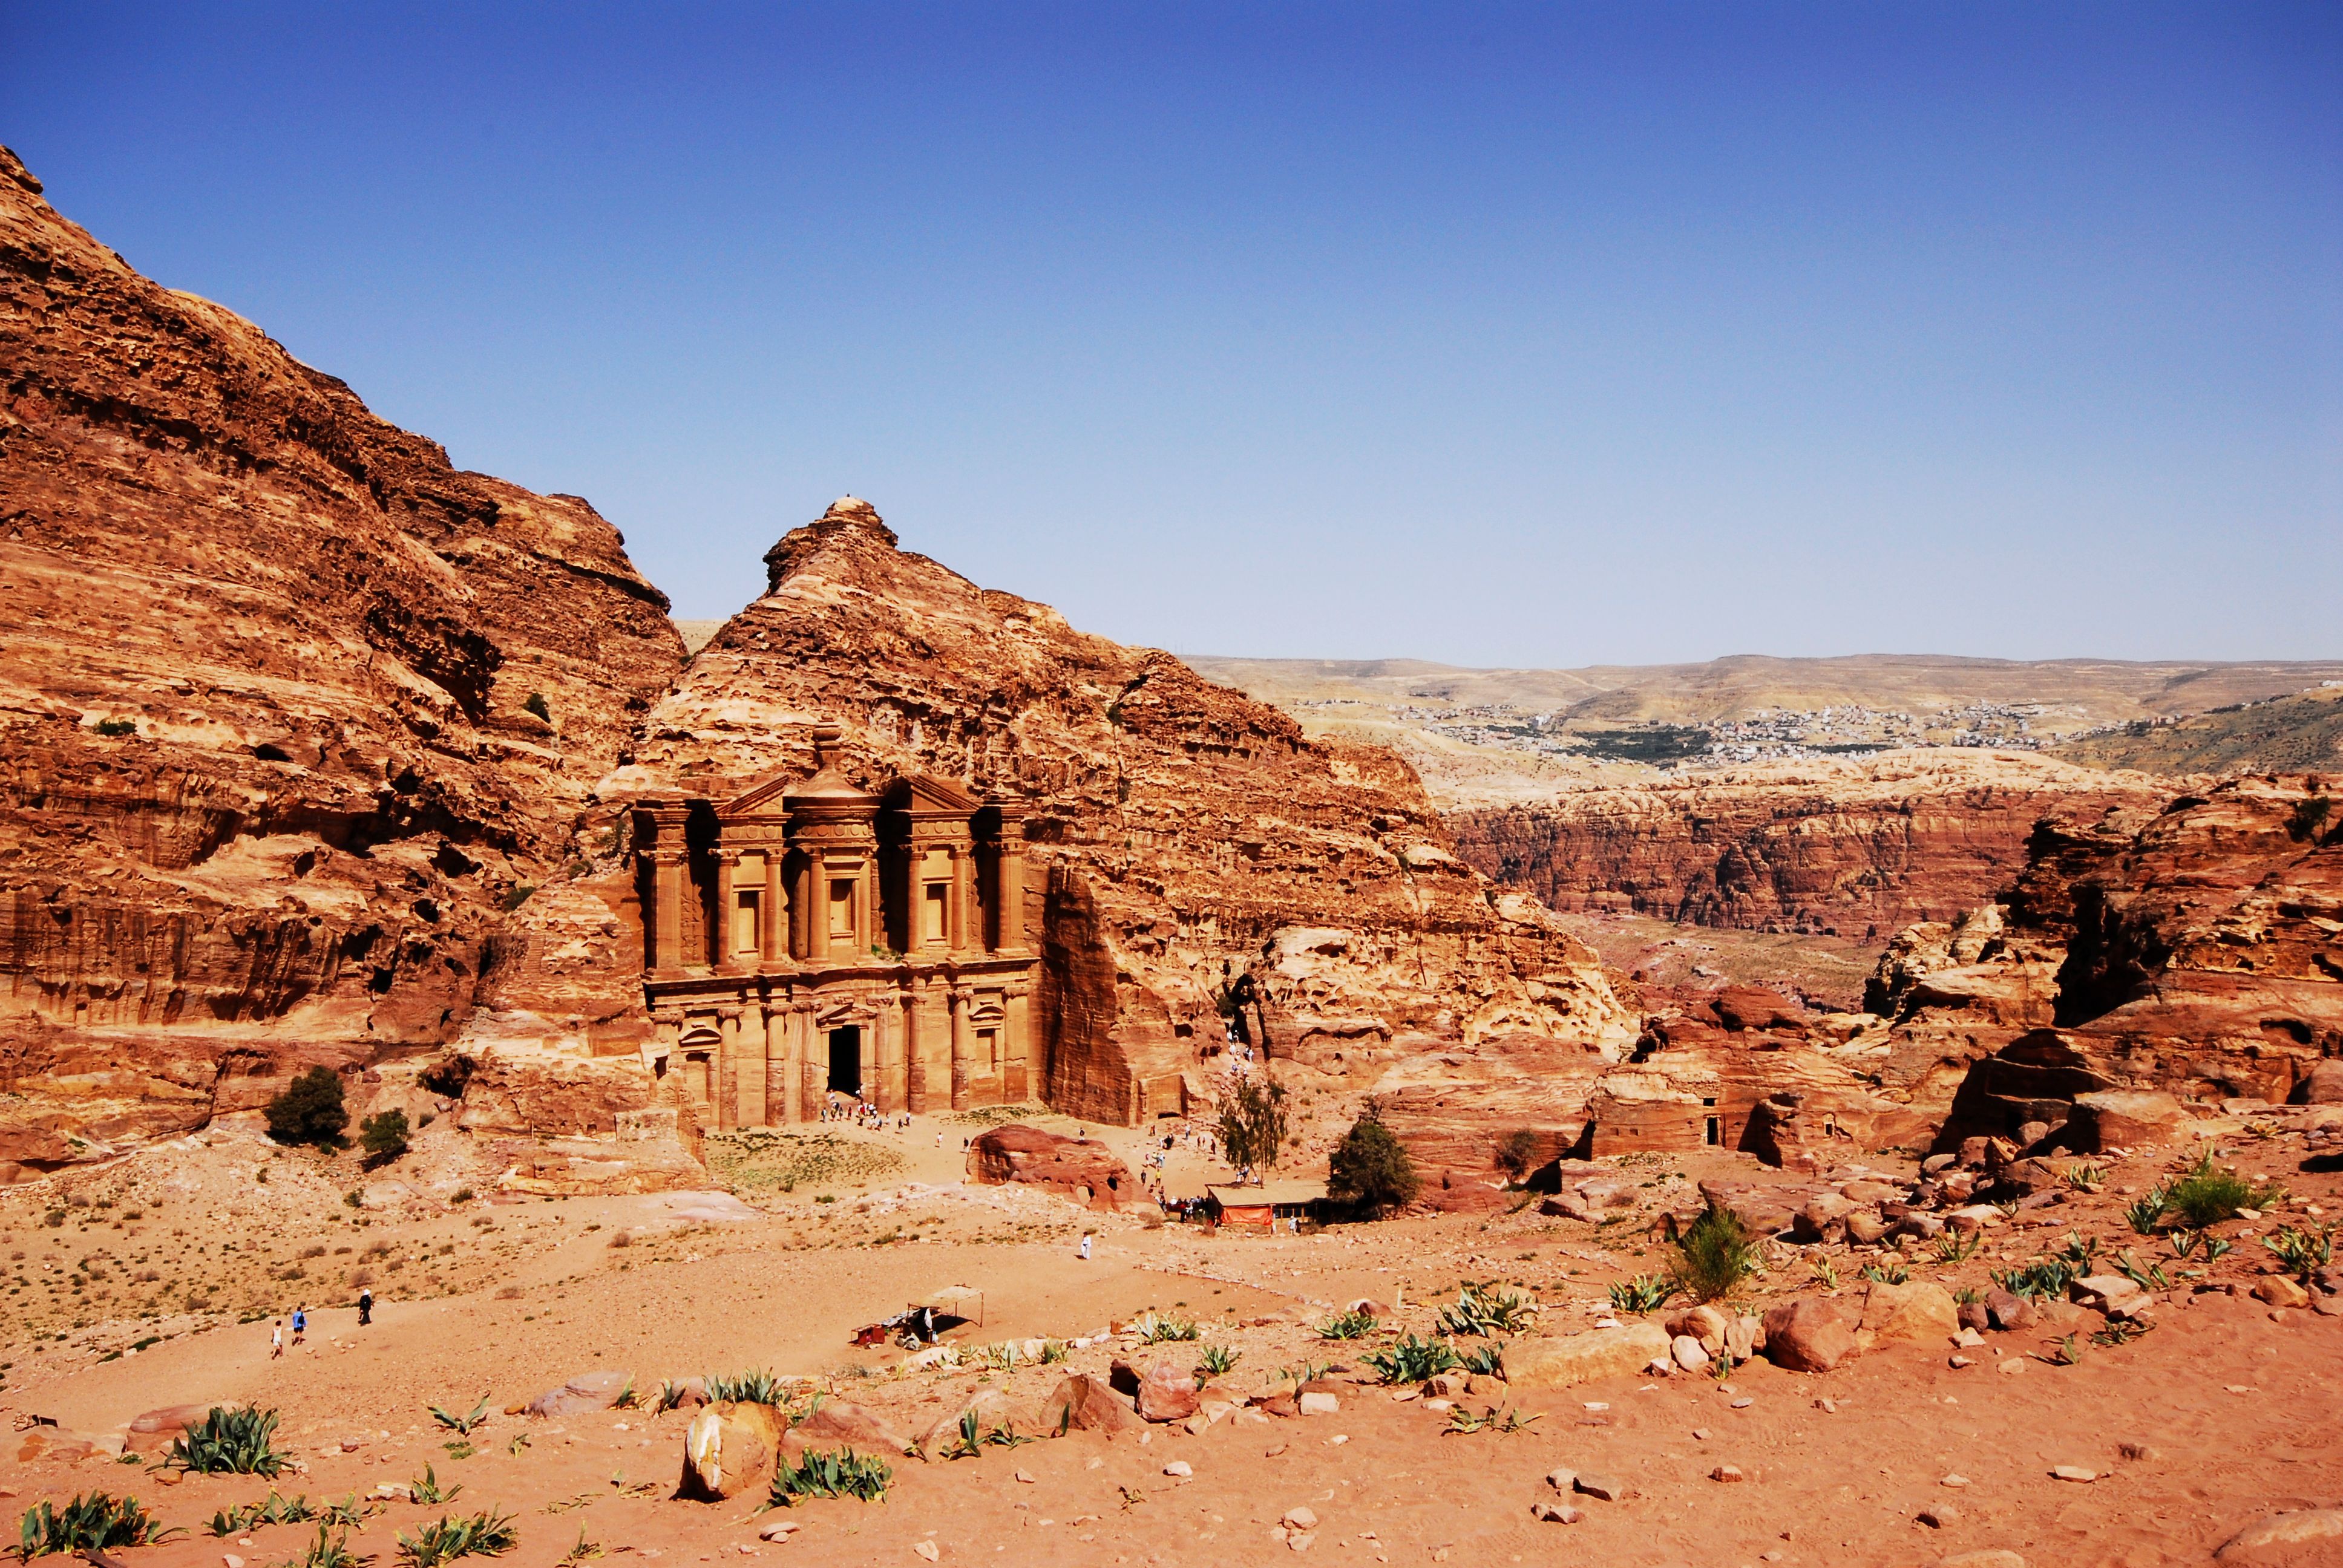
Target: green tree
[
  {"x": 1369, "y": 1168},
  {"x": 310, "y": 1110},
  {"x": 1253, "y": 1122},
  {"x": 384, "y": 1137},
  {"x": 1517, "y": 1152}
]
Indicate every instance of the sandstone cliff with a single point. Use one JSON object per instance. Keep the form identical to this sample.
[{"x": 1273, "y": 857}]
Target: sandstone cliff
[
  {"x": 2196, "y": 949},
  {"x": 1852, "y": 848},
  {"x": 289, "y": 709},
  {"x": 1182, "y": 835}
]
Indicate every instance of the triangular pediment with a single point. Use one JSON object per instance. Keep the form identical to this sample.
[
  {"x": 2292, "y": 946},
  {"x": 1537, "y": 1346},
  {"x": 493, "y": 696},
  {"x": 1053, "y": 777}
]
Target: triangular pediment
[
  {"x": 759, "y": 800},
  {"x": 926, "y": 792}
]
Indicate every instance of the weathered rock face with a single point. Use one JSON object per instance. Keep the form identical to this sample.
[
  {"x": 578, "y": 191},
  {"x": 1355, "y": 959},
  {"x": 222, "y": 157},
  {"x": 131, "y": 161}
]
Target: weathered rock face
[
  {"x": 2194, "y": 951},
  {"x": 1855, "y": 848},
  {"x": 1182, "y": 837},
  {"x": 1078, "y": 1168},
  {"x": 289, "y": 709}
]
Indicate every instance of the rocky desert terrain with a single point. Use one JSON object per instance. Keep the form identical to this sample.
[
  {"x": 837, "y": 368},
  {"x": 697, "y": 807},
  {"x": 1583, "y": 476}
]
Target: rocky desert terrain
[{"x": 1922, "y": 1158}]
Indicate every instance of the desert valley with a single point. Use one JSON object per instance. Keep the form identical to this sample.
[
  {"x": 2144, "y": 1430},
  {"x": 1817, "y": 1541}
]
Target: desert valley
[{"x": 894, "y": 1077}]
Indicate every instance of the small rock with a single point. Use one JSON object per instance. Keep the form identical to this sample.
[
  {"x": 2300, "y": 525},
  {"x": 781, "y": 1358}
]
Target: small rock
[
  {"x": 2284, "y": 1530},
  {"x": 1700, "y": 1434},
  {"x": 926, "y": 1549},
  {"x": 1315, "y": 1404},
  {"x": 1688, "y": 1353},
  {"x": 2280, "y": 1291},
  {"x": 1957, "y": 1363},
  {"x": 779, "y": 1530},
  {"x": 1599, "y": 1486},
  {"x": 1302, "y": 1540},
  {"x": 1562, "y": 1481},
  {"x": 1954, "y": 1481},
  {"x": 1967, "y": 1339},
  {"x": 1828, "y": 1406},
  {"x": 2073, "y": 1473},
  {"x": 1728, "y": 1472},
  {"x": 1940, "y": 1516},
  {"x": 1994, "y": 1559},
  {"x": 1555, "y": 1513},
  {"x": 230, "y": 1559},
  {"x": 1744, "y": 1402},
  {"x": 1179, "y": 1467},
  {"x": 1299, "y": 1519}
]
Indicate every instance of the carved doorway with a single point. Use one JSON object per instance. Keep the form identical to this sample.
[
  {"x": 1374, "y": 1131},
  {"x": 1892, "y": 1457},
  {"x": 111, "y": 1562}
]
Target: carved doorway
[{"x": 845, "y": 1061}]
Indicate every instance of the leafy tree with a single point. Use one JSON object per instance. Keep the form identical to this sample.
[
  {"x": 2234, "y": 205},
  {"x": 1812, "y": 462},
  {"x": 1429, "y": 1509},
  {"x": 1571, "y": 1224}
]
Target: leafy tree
[
  {"x": 1369, "y": 1168},
  {"x": 310, "y": 1110},
  {"x": 1714, "y": 1254},
  {"x": 1517, "y": 1152},
  {"x": 1253, "y": 1122},
  {"x": 384, "y": 1137}
]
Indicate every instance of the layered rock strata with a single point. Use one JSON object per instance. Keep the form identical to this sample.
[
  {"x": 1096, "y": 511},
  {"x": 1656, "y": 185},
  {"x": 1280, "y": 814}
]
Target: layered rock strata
[
  {"x": 2194, "y": 951},
  {"x": 1854, "y": 848},
  {"x": 291, "y": 710},
  {"x": 1196, "y": 867}
]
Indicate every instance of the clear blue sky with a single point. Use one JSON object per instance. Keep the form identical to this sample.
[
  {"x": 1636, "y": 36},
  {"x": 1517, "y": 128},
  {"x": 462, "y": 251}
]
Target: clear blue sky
[{"x": 1544, "y": 335}]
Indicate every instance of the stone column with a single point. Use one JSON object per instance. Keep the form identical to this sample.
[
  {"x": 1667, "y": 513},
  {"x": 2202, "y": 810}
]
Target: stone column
[
  {"x": 887, "y": 1032},
  {"x": 956, "y": 901},
  {"x": 1011, "y": 892},
  {"x": 814, "y": 1061},
  {"x": 667, "y": 891},
  {"x": 1016, "y": 1083},
  {"x": 772, "y": 944},
  {"x": 724, "y": 1090},
  {"x": 961, "y": 1069},
  {"x": 778, "y": 1091},
  {"x": 868, "y": 1038},
  {"x": 915, "y": 1047},
  {"x": 728, "y": 860}
]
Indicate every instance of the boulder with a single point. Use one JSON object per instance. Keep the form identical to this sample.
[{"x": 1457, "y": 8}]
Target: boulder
[
  {"x": 1079, "y": 1168},
  {"x": 1922, "y": 1310},
  {"x": 2113, "y": 1294},
  {"x": 1087, "y": 1404},
  {"x": 838, "y": 1423},
  {"x": 587, "y": 1392},
  {"x": 1167, "y": 1391},
  {"x": 2008, "y": 1311},
  {"x": 1565, "y": 1360},
  {"x": 157, "y": 1428},
  {"x": 2323, "y": 1084},
  {"x": 993, "y": 1411},
  {"x": 729, "y": 1448},
  {"x": 1809, "y": 1334},
  {"x": 1823, "y": 1217},
  {"x": 1866, "y": 1228},
  {"x": 2123, "y": 1119},
  {"x": 2271, "y": 1537},
  {"x": 2280, "y": 1291}
]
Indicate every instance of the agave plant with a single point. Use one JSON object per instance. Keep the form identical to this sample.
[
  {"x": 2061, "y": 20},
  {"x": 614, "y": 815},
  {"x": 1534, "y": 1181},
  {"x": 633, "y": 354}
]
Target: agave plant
[
  {"x": 462, "y": 1425},
  {"x": 1484, "y": 1312},
  {"x": 1347, "y": 1326},
  {"x": 329, "y": 1550},
  {"x": 1214, "y": 1360},
  {"x": 1486, "y": 1360},
  {"x": 1412, "y": 1360},
  {"x": 91, "y": 1522},
  {"x": 2302, "y": 1253},
  {"x": 429, "y": 1491},
  {"x": 831, "y": 1472},
  {"x": 232, "y": 1440},
  {"x": 1643, "y": 1293},
  {"x": 1152, "y": 1330},
  {"x": 483, "y": 1534}
]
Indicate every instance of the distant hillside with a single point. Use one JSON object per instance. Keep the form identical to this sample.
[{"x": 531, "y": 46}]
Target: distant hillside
[{"x": 2302, "y": 733}]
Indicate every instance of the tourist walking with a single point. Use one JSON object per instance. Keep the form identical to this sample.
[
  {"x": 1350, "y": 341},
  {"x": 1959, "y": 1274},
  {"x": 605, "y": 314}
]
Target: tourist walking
[
  {"x": 1083, "y": 1251},
  {"x": 276, "y": 1338},
  {"x": 366, "y": 1307},
  {"x": 300, "y": 1323}
]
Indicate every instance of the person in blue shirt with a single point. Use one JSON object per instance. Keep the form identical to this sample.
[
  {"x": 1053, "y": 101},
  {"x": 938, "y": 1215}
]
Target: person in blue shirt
[{"x": 300, "y": 1324}]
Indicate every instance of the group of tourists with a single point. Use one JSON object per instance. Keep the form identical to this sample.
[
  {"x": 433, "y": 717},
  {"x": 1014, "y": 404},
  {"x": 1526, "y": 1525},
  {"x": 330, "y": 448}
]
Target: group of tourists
[
  {"x": 862, "y": 1113},
  {"x": 301, "y": 1324}
]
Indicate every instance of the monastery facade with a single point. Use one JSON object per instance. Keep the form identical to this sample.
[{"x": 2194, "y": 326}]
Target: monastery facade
[{"x": 810, "y": 939}]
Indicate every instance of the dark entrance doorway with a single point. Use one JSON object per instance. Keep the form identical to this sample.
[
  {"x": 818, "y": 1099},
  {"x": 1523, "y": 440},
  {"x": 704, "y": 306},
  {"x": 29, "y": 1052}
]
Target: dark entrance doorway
[{"x": 846, "y": 1060}]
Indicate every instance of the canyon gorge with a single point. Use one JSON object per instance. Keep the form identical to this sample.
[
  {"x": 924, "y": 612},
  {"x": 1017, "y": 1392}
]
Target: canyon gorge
[{"x": 319, "y": 751}]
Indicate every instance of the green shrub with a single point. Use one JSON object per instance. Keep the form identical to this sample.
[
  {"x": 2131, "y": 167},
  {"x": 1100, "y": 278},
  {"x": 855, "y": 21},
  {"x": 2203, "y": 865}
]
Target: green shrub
[
  {"x": 1214, "y": 1360},
  {"x": 461, "y": 1425},
  {"x": 383, "y": 1137},
  {"x": 310, "y": 1110},
  {"x": 1714, "y": 1254},
  {"x": 2300, "y": 1253},
  {"x": 831, "y": 1473},
  {"x": 1488, "y": 1360},
  {"x": 431, "y": 1490},
  {"x": 87, "y": 1523},
  {"x": 275, "y": 1510},
  {"x": 2207, "y": 1196},
  {"x": 1253, "y": 1124},
  {"x": 233, "y": 1439},
  {"x": 536, "y": 704},
  {"x": 1347, "y": 1326},
  {"x": 444, "y": 1540},
  {"x": 1370, "y": 1169},
  {"x": 115, "y": 728},
  {"x": 1412, "y": 1360},
  {"x": 2144, "y": 1216},
  {"x": 329, "y": 1551}
]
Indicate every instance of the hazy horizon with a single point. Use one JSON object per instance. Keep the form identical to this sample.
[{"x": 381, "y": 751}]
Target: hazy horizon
[{"x": 1512, "y": 337}]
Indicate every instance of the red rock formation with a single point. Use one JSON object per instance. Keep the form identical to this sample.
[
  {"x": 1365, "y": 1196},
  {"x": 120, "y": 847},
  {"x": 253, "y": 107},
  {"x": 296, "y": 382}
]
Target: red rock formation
[
  {"x": 2196, "y": 951},
  {"x": 290, "y": 710},
  {"x": 1079, "y": 1168},
  {"x": 1181, "y": 835},
  {"x": 1855, "y": 848}
]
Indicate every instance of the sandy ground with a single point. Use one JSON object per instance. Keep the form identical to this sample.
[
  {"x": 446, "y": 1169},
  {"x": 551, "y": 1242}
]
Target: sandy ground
[{"x": 2233, "y": 1406}]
